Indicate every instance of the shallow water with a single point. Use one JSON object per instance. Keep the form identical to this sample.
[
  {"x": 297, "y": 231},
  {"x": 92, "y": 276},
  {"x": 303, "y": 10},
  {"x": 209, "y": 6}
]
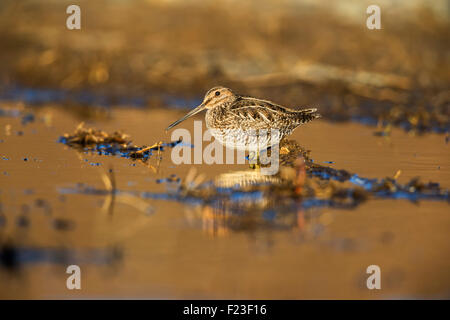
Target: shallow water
[{"x": 160, "y": 246}]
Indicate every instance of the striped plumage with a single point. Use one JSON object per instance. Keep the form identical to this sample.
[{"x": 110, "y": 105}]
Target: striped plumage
[{"x": 243, "y": 122}]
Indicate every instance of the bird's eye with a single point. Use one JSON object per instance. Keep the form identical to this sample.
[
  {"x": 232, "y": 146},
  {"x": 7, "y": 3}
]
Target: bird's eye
[{"x": 217, "y": 93}]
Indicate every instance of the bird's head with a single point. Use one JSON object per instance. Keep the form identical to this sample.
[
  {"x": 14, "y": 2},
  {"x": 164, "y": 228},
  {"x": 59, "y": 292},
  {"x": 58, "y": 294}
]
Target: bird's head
[{"x": 214, "y": 97}]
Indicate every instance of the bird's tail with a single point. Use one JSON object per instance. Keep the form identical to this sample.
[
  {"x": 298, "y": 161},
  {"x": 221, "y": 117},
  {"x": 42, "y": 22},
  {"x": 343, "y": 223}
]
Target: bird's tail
[{"x": 307, "y": 115}]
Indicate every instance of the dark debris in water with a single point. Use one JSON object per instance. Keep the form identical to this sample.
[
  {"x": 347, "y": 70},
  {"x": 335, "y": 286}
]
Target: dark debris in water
[
  {"x": 85, "y": 137},
  {"x": 387, "y": 187},
  {"x": 116, "y": 143}
]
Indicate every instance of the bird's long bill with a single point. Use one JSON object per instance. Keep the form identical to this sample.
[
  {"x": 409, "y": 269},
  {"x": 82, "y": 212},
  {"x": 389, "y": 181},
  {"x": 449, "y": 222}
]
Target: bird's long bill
[{"x": 188, "y": 115}]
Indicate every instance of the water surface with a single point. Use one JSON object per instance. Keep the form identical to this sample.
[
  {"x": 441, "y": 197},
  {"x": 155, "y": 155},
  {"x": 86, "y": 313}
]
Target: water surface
[{"x": 152, "y": 244}]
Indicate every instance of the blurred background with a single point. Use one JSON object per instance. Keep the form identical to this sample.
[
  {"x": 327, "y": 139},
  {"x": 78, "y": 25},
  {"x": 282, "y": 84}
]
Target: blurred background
[
  {"x": 310, "y": 52},
  {"x": 366, "y": 184}
]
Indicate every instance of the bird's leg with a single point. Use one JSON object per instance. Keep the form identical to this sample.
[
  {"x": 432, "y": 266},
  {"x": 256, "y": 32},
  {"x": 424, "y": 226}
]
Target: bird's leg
[{"x": 253, "y": 157}]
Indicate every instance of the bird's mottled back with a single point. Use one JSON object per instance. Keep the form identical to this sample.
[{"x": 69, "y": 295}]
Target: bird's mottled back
[{"x": 252, "y": 113}]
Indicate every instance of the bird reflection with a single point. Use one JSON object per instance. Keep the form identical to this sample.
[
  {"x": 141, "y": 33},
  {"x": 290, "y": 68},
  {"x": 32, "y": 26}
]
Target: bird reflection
[
  {"x": 221, "y": 219},
  {"x": 250, "y": 201}
]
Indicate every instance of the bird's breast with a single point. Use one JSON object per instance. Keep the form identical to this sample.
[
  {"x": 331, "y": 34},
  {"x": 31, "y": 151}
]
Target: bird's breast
[{"x": 216, "y": 118}]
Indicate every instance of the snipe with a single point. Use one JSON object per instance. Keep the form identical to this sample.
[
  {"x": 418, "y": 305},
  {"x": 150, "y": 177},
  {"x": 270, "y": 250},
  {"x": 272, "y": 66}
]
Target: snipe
[{"x": 247, "y": 123}]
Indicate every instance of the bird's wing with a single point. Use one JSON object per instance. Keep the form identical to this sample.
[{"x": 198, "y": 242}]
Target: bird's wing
[{"x": 258, "y": 114}]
